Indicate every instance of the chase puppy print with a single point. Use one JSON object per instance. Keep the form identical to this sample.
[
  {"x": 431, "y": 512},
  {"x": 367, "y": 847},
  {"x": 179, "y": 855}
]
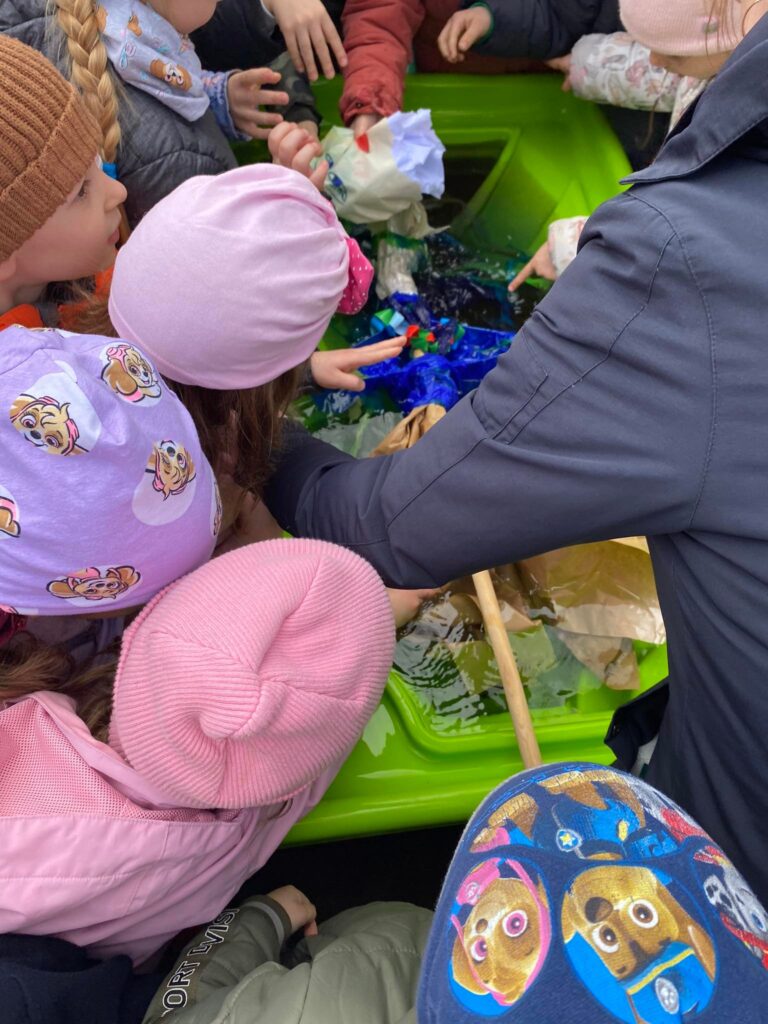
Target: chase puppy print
[
  {"x": 635, "y": 945},
  {"x": 87, "y": 586},
  {"x": 54, "y": 415}
]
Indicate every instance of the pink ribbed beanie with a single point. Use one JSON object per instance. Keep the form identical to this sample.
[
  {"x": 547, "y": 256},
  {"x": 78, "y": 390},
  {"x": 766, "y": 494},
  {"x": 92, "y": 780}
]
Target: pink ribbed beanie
[
  {"x": 238, "y": 685},
  {"x": 682, "y": 28},
  {"x": 232, "y": 279}
]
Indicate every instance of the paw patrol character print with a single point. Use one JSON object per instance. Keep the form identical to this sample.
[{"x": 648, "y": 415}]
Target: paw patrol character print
[
  {"x": 587, "y": 814},
  {"x": 87, "y": 586},
  {"x": 639, "y": 952},
  {"x": 503, "y": 929},
  {"x": 217, "y": 509},
  {"x": 174, "y": 75},
  {"x": 47, "y": 424},
  {"x": 739, "y": 910},
  {"x": 10, "y": 521},
  {"x": 167, "y": 485},
  {"x": 54, "y": 415},
  {"x": 130, "y": 374}
]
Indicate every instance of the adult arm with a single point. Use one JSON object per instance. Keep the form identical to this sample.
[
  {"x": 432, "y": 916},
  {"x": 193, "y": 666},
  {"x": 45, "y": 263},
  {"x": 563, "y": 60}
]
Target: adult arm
[
  {"x": 594, "y": 425},
  {"x": 544, "y": 28},
  {"x": 378, "y": 38}
]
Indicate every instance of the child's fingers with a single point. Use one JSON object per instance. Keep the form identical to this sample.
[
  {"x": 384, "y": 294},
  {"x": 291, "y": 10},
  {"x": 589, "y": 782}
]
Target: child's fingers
[
  {"x": 302, "y": 159},
  {"x": 320, "y": 173},
  {"x": 523, "y": 275},
  {"x": 452, "y": 32},
  {"x": 307, "y": 54},
  {"x": 292, "y": 46},
  {"x": 321, "y": 50},
  {"x": 269, "y": 98},
  {"x": 294, "y": 140},
  {"x": 469, "y": 37},
  {"x": 334, "y": 41},
  {"x": 370, "y": 354},
  {"x": 277, "y": 139}
]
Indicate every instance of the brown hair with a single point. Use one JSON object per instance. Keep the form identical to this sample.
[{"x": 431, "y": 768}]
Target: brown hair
[
  {"x": 27, "y": 665},
  {"x": 247, "y": 422},
  {"x": 90, "y": 72}
]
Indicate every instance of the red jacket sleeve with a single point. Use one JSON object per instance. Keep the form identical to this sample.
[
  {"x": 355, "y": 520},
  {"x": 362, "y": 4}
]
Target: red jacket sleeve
[{"x": 378, "y": 37}]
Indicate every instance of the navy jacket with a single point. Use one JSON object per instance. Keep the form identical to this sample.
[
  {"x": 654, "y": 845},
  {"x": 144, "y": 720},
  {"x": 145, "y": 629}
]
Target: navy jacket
[
  {"x": 49, "y": 981},
  {"x": 544, "y": 28},
  {"x": 634, "y": 401}
]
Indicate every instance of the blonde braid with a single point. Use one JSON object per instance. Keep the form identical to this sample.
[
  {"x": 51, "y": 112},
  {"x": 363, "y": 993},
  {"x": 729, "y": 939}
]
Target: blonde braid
[{"x": 90, "y": 68}]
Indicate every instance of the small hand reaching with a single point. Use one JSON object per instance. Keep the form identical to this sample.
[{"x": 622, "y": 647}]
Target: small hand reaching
[
  {"x": 406, "y": 604},
  {"x": 362, "y": 123},
  {"x": 310, "y": 36},
  {"x": 562, "y": 64},
  {"x": 462, "y": 30},
  {"x": 301, "y": 912},
  {"x": 540, "y": 266},
  {"x": 246, "y": 95},
  {"x": 335, "y": 369},
  {"x": 293, "y": 146}
]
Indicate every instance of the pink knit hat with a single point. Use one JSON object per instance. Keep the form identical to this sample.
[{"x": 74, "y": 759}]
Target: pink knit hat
[
  {"x": 682, "y": 28},
  {"x": 238, "y": 685},
  {"x": 231, "y": 280}
]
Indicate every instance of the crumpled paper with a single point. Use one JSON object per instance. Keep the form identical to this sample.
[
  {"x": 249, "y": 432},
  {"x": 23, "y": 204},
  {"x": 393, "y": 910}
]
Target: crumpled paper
[{"x": 385, "y": 171}]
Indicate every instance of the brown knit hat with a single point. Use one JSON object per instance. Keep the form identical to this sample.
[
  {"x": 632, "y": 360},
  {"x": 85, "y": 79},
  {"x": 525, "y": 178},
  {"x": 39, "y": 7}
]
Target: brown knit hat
[{"x": 48, "y": 141}]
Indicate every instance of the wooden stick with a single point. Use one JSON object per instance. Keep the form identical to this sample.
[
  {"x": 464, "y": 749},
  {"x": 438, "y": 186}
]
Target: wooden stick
[{"x": 510, "y": 677}]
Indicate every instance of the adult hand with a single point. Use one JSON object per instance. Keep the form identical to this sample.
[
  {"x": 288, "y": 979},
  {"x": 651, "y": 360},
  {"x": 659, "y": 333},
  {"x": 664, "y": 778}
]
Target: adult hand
[
  {"x": 406, "y": 603},
  {"x": 335, "y": 369},
  {"x": 302, "y": 913},
  {"x": 362, "y": 123},
  {"x": 462, "y": 30},
  {"x": 309, "y": 33},
  {"x": 540, "y": 266},
  {"x": 563, "y": 65},
  {"x": 292, "y": 146},
  {"x": 246, "y": 94}
]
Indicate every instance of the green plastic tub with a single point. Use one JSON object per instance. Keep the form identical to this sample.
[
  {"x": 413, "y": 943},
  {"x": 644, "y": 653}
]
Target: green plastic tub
[{"x": 522, "y": 153}]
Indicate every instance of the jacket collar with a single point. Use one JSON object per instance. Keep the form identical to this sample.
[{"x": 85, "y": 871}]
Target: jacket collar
[{"x": 733, "y": 104}]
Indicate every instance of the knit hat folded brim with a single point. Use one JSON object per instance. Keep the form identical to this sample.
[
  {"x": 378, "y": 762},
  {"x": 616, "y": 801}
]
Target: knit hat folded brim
[{"x": 48, "y": 142}]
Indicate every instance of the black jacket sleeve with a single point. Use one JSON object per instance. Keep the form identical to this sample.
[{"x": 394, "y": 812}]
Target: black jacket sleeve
[
  {"x": 544, "y": 28},
  {"x": 594, "y": 425}
]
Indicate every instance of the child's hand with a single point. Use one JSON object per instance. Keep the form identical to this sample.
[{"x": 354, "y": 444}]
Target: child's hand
[
  {"x": 308, "y": 31},
  {"x": 292, "y": 146},
  {"x": 562, "y": 64},
  {"x": 407, "y": 603},
  {"x": 246, "y": 94},
  {"x": 298, "y": 908},
  {"x": 362, "y": 123},
  {"x": 462, "y": 30},
  {"x": 540, "y": 266},
  {"x": 335, "y": 370}
]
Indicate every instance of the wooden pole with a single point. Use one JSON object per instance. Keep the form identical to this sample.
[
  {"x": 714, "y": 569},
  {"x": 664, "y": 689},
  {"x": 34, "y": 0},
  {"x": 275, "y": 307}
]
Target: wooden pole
[{"x": 510, "y": 677}]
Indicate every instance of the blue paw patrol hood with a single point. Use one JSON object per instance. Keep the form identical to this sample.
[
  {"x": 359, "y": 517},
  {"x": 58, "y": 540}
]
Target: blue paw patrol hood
[{"x": 580, "y": 894}]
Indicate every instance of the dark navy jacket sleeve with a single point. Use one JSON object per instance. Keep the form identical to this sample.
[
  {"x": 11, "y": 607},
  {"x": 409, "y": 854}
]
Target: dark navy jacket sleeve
[
  {"x": 544, "y": 28},
  {"x": 595, "y": 424}
]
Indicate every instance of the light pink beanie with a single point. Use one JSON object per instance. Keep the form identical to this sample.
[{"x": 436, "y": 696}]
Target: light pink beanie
[
  {"x": 238, "y": 685},
  {"x": 232, "y": 279},
  {"x": 681, "y": 28}
]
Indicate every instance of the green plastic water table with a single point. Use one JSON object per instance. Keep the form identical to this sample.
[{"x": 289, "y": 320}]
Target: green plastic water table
[{"x": 524, "y": 153}]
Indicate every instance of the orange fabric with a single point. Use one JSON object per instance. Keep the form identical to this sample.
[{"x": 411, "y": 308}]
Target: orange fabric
[{"x": 28, "y": 315}]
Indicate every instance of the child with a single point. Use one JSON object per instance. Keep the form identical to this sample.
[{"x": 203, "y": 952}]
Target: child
[
  {"x": 148, "y": 45},
  {"x": 627, "y": 912},
  {"x": 269, "y": 264},
  {"x": 686, "y": 40},
  {"x": 59, "y": 212},
  {"x": 135, "y": 801}
]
